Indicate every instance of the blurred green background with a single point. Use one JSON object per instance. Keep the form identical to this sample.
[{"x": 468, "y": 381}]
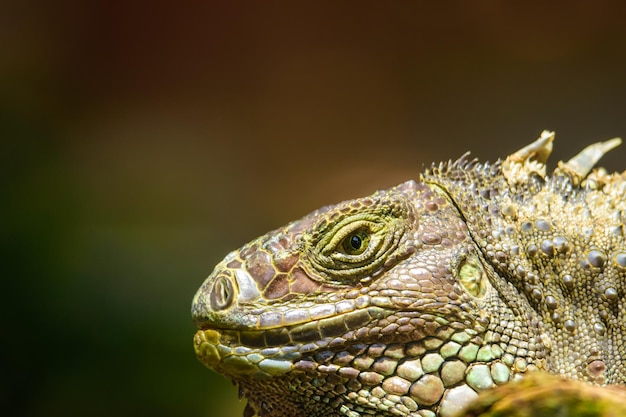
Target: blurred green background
[{"x": 142, "y": 141}]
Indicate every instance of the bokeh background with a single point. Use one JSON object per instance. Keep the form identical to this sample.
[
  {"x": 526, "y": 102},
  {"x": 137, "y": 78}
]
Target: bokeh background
[{"x": 141, "y": 141}]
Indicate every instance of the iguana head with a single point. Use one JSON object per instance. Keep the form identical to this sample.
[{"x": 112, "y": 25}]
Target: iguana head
[
  {"x": 386, "y": 292},
  {"x": 418, "y": 297}
]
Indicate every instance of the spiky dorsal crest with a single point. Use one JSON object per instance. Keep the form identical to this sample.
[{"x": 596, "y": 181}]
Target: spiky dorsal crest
[{"x": 525, "y": 170}]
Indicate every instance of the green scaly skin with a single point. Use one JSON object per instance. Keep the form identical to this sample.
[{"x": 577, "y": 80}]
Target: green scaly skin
[{"x": 423, "y": 298}]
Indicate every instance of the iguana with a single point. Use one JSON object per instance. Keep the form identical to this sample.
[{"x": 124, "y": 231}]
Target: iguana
[{"x": 415, "y": 300}]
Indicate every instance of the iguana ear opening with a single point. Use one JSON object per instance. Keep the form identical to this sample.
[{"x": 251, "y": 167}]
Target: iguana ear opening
[
  {"x": 469, "y": 272},
  {"x": 473, "y": 278}
]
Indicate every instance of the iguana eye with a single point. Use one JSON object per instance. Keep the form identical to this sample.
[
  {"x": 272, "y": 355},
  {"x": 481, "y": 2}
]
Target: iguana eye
[
  {"x": 347, "y": 247},
  {"x": 355, "y": 240},
  {"x": 356, "y": 243}
]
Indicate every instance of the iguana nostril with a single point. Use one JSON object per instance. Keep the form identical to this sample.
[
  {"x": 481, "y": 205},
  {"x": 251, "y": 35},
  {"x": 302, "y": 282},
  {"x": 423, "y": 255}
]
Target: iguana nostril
[{"x": 223, "y": 293}]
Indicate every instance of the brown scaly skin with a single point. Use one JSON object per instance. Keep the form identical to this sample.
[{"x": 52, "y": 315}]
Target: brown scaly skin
[{"x": 413, "y": 301}]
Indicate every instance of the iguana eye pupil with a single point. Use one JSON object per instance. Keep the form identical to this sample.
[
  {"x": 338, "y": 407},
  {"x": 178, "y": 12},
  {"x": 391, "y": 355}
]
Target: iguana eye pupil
[{"x": 355, "y": 242}]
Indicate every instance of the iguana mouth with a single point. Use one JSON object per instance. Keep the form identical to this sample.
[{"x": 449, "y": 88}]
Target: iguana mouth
[
  {"x": 263, "y": 352},
  {"x": 305, "y": 332}
]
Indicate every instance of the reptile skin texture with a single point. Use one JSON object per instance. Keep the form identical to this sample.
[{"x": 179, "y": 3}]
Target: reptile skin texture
[{"x": 431, "y": 297}]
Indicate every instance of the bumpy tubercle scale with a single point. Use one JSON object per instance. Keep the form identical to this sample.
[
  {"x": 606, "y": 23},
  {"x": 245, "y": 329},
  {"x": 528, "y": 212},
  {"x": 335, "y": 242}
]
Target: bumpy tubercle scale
[{"x": 414, "y": 300}]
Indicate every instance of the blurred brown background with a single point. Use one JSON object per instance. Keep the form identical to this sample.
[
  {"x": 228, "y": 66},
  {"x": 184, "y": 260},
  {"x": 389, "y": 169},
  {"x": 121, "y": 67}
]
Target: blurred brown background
[{"x": 141, "y": 142}]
